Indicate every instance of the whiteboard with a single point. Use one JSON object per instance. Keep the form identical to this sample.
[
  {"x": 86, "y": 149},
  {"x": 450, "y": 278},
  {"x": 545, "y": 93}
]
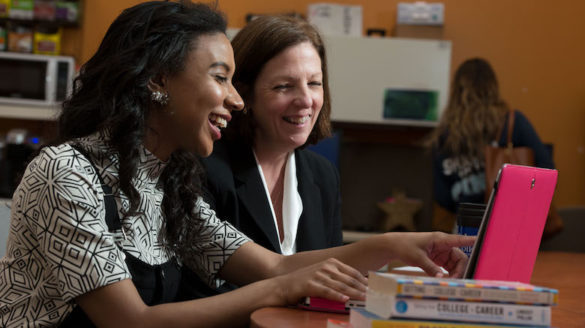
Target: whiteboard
[{"x": 361, "y": 69}]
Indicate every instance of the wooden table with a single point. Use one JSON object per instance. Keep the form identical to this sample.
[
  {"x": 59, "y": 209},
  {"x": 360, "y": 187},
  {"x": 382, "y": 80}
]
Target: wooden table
[
  {"x": 565, "y": 272},
  {"x": 562, "y": 271}
]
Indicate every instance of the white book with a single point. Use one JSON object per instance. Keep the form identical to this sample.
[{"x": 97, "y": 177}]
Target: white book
[
  {"x": 360, "y": 318},
  {"x": 388, "y": 306},
  {"x": 461, "y": 289}
]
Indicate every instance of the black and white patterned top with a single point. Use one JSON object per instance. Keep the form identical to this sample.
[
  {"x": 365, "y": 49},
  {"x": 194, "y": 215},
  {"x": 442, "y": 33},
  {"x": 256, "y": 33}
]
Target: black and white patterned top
[{"x": 59, "y": 246}]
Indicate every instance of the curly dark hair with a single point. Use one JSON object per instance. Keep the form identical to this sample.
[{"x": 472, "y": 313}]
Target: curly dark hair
[
  {"x": 146, "y": 41},
  {"x": 261, "y": 40}
]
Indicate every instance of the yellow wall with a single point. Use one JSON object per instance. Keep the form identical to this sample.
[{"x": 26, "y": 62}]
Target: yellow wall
[{"x": 537, "y": 48}]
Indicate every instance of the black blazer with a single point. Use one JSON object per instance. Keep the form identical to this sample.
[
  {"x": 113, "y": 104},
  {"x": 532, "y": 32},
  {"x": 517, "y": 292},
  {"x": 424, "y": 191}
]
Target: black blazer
[{"x": 235, "y": 190}]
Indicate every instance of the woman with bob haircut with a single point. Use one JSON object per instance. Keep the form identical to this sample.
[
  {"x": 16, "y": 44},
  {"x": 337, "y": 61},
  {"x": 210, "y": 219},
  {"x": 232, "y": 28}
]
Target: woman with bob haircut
[
  {"x": 260, "y": 178},
  {"x": 104, "y": 219}
]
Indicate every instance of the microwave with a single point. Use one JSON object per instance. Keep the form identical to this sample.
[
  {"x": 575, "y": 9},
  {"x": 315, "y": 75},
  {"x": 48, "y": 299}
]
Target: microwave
[{"x": 37, "y": 80}]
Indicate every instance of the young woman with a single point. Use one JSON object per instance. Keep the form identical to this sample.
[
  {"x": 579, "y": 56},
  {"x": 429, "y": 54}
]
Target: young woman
[
  {"x": 476, "y": 116},
  {"x": 103, "y": 220}
]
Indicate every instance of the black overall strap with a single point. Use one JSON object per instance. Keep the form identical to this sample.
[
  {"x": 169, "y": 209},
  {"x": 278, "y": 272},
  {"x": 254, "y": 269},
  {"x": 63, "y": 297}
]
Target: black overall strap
[
  {"x": 156, "y": 284},
  {"x": 112, "y": 217},
  {"x": 78, "y": 318}
]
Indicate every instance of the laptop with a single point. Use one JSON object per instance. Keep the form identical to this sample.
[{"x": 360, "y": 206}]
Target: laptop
[{"x": 509, "y": 235}]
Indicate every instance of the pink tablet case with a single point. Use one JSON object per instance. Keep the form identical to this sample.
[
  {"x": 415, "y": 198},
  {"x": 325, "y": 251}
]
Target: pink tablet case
[
  {"x": 518, "y": 215},
  {"x": 325, "y": 305}
]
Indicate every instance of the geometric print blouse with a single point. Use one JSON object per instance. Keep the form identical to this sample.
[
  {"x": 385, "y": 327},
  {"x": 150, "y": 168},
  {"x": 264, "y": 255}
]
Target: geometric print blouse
[{"x": 59, "y": 246}]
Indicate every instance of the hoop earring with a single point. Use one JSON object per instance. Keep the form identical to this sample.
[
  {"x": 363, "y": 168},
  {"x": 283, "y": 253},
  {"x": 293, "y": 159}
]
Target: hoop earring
[{"x": 161, "y": 98}]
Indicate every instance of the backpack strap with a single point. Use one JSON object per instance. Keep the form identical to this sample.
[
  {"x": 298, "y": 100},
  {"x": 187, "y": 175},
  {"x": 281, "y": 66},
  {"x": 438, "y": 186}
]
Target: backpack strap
[
  {"x": 511, "y": 115},
  {"x": 112, "y": 217}
]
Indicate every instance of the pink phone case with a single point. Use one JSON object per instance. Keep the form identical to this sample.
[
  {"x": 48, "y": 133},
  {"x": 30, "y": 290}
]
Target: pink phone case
[{"x": 516, "y": 222}]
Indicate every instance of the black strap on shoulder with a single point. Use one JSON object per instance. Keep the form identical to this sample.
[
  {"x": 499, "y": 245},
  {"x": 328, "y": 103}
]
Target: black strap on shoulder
[{"x": 112, "y": 218}]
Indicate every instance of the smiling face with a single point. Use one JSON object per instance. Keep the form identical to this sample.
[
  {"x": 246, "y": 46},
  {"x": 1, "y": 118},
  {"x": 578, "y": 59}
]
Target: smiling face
[
  {"x": 201, "y": 98},
  {"x": 287, "y": 98}
]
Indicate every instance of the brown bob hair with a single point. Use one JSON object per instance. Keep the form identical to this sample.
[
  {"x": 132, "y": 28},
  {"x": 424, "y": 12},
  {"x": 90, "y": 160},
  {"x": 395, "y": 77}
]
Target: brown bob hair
[{"x": 261, "y": 40}]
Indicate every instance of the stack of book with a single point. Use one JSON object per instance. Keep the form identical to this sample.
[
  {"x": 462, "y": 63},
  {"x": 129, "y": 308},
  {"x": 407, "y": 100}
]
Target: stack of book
[{"x": 397, "y": 301}]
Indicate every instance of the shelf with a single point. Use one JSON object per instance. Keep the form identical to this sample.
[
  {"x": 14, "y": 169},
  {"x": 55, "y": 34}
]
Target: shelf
[
  {"x": 397, "y": 123},
  {"x": 29, "y": 112},
  {"x": 34, "y": 22},
  {"x": 405, "y": 135},
  {"x": 60, "y": 14}
]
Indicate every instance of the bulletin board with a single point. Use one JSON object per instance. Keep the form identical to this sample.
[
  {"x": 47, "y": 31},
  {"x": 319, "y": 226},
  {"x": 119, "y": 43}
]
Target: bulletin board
[{"x": 362, "y": 69}]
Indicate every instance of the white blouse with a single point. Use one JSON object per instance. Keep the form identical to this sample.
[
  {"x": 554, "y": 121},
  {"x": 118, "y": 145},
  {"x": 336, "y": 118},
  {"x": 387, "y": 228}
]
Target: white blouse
[{"x": 292, "y": 205}]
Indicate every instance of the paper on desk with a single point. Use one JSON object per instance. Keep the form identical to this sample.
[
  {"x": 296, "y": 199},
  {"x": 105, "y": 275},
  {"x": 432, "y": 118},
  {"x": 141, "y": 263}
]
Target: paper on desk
[{"x": 415, "y": 269}]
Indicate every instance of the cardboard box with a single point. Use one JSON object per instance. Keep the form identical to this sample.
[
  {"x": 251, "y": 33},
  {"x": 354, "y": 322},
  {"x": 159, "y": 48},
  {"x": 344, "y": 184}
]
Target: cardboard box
[
  {"x": 334, "y": 19},
  {"x": 418, "y": 31}
]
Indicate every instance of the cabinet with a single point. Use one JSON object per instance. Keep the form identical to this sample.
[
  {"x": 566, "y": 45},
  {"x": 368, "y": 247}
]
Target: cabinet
[
  {"x": 376, "y": 160},
  {"x": 380, "y": 155}
]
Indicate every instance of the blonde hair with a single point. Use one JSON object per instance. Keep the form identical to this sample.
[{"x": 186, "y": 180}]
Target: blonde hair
[{"x": 475, "y": 112}]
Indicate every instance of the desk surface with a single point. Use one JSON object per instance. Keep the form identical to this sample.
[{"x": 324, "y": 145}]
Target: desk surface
[{"x": 563, "y": 271}]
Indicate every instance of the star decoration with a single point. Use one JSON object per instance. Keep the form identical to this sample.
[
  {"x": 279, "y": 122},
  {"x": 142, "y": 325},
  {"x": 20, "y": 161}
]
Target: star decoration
[{"x": 400, "y": 212}]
